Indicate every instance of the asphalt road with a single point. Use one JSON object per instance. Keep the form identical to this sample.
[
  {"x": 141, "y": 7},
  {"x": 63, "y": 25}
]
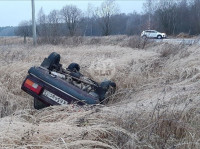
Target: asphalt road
[{"x": 187, "y": 41}]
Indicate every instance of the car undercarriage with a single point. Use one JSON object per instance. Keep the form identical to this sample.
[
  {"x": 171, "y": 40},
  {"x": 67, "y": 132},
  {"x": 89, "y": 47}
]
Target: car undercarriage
[{"x": 56, "y": 85}]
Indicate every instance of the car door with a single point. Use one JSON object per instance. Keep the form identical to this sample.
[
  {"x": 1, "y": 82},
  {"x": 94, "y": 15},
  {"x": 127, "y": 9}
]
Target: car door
[
  {"x": 148, "y": 33},
  {"x": 153, "y": 34}
]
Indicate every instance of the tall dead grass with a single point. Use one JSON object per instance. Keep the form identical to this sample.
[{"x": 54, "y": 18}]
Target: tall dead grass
[
  {"x": 120, "y": 40},
  {"x": 156, "y": 104}
]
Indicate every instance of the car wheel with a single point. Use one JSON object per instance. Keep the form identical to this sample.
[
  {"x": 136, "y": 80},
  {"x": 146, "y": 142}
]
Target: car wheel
[
  {"x": 74, "y": 67},
  {"x": 38, "y": 104},
  {"x": 109, "y": 87},
  {"x": 54, "y": 58},
  {"x": 159, "y": 37},
  {"x": 52, "y": 62},
  {"x": 144, "y": 37}
]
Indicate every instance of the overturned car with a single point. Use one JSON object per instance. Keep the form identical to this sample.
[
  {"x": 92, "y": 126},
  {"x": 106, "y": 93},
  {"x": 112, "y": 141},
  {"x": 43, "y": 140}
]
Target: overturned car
[{"x": 51, "y": 84}]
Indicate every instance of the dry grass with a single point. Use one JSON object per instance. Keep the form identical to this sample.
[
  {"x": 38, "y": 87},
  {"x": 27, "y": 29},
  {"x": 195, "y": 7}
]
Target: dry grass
[
  {"x": 12, "y": 40},
  {"x": 156, "y": 104},
  {"x": 183, "y": 35},
  {"x": 124, "y": 41}
]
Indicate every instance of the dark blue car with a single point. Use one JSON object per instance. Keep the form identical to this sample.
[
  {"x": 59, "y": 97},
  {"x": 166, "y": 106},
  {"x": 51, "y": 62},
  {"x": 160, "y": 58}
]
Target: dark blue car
[{"x": 50, "y": 84}]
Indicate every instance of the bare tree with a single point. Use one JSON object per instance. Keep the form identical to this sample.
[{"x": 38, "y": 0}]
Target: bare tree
[
  {"x": 134, "y": 24},
  {"x": 183, "y": 17},
  {"x": 195, "y": 17},
  {"x": 53, "y": 21},
  {"x": 167, "y": 13},
  {"x": 104, "y": 13},
  {"x": 149, "y": 10},
  {"x": 71, "y": 15},
  {"x": 42, "y": 24},
  {"x": 53, "y": 26},
  {"x": 24, "y": 29},
  {"x": 167, "y": 16},
  {"x": 89, "y": 21}
]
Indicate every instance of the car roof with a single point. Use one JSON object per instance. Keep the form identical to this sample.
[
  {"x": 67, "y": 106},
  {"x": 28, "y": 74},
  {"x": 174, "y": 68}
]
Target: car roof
[{"x": 150, "y": 30}]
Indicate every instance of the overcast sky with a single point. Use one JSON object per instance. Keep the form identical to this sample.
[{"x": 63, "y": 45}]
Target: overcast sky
[{"x": 14, "y": 11}]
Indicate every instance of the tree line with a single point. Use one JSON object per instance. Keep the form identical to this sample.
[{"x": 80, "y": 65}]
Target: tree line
[
  {"x": 175, "y": 16},
  {"x": 172, "y": 17}
]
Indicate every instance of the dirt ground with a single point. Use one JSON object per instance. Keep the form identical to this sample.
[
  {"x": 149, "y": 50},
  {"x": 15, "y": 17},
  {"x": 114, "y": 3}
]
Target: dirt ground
[{"x": 156, "y": 104}]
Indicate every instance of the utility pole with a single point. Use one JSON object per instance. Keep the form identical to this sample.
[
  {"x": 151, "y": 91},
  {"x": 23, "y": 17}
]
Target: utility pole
[{"x": 33, "y": 23}]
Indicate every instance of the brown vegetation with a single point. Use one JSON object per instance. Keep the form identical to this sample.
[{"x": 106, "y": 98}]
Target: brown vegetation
[
  {"x": 156, "y": 104},
  {"x": 183, "y": 35}
]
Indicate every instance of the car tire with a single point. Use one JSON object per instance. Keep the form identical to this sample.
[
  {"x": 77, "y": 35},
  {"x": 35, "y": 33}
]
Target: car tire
[
  {"x": 74, "y": 67},
  {"x": 38, "y": 104},
  {"x": 159, "y": 37},
  {"x": 106, "y": 84},
  {"x": 54, "y": 60},
  {"x": 144, "y": 37},
  {"x": 109, "y": 88}
]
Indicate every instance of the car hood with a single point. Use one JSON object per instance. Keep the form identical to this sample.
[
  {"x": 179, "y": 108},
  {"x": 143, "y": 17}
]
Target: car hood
[{"x": 163, "y": 33}]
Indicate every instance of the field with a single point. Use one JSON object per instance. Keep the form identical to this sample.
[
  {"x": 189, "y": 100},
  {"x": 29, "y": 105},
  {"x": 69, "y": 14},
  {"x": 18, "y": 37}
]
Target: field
[{"x": 157, "y": 103}]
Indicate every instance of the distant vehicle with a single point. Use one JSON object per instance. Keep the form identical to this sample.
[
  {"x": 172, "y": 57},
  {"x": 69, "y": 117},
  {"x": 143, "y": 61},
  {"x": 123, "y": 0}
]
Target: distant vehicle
[
  {"x": 51, "y": 84},
  {"x": 153, "y": 34}
]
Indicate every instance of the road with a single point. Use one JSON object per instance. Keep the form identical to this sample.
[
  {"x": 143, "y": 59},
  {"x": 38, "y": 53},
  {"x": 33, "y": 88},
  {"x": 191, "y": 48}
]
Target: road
[{"x": 187, "y": 41}]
